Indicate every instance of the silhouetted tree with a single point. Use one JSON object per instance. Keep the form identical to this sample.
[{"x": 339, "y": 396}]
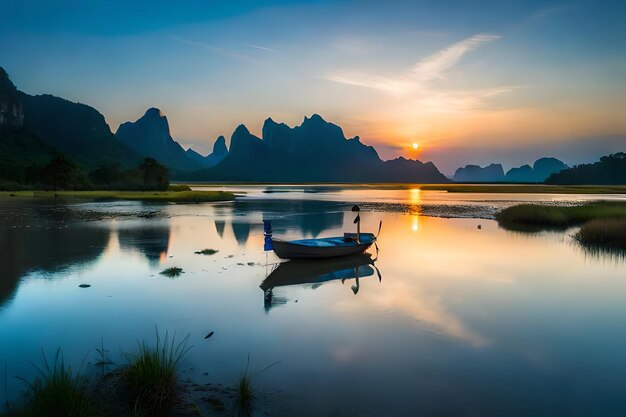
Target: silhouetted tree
[
  {"x": 62, "y": 173},
  {"x": 155, "y": 176},
  {"x": 107, "y": 176}
]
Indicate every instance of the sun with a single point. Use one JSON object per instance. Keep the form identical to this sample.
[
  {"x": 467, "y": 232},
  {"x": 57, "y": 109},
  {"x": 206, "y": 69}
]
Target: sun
[{"x": 416, "y": 145}]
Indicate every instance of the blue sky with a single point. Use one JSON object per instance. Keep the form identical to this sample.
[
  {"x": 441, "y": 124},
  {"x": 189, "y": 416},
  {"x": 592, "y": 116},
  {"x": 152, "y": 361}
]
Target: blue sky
[{"x": 471, "y": 82}]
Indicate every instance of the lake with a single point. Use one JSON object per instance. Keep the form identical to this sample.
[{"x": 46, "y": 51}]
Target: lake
[{"x": 465, "y": 319}]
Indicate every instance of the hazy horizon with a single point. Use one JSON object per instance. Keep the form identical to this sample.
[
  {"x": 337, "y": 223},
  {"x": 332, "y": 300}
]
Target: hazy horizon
[{"x": 501, "y": 82}]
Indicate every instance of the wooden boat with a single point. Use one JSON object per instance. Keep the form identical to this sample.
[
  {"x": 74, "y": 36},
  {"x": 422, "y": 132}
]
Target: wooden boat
[{"x": 328, "y": 247}]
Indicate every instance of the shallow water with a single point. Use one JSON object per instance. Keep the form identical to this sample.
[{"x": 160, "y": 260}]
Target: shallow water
[{"x": 464, "y": 321}]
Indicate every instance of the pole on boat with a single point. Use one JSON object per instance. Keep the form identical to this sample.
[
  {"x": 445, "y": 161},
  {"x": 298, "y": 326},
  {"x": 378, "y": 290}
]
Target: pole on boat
[{"x": 357, "y": 220}]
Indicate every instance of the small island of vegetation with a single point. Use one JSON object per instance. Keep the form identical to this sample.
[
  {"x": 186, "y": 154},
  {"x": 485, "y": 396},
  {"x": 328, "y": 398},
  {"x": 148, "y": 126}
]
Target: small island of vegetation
[{"x": 603, "y": 223}]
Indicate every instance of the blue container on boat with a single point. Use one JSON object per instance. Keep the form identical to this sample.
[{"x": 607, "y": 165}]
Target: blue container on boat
[{"x": 267, "y": 227}]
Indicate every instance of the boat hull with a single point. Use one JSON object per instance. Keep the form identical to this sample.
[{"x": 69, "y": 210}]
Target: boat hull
[{"x": 291, "y": 250}]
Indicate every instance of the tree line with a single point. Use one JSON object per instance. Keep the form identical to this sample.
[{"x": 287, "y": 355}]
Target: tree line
[
  {"x": 610, "y": 170},
  {"x": 62, "y": 173}
]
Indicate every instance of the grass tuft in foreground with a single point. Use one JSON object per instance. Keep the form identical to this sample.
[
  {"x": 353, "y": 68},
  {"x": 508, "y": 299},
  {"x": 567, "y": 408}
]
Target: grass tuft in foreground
[
  {"x": 206, "y": 252},
  {"x": 244, "y": 393},
  {"x": 150, "y": 376},
  {"x": 172, "y": 272},
  {"x": 57, "y": 392}
]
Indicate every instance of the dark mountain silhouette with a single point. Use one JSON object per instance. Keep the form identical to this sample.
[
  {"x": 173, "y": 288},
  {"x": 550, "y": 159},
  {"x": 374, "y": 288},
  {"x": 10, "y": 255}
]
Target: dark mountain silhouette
[
  {"x": 195, "y": 156},
  {"x": 475, "y": 173},
  {"x": 76, "y": 129},
  {"x": 20, "y": 150},
  {"x": 11, "y": 110},
  {"x": 541, "y": 169},
  {"x": 219, "y": 152},
  {"x": 524, "y": 173},
  {"x": 610, "y": 170},
  {"x": 150, "y": 136},
  {"x": 544, "y": 167},
  {"x": 314, "y": 151}
]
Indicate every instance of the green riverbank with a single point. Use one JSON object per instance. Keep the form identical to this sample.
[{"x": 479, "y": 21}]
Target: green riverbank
[{"x": 156, "y": 196}]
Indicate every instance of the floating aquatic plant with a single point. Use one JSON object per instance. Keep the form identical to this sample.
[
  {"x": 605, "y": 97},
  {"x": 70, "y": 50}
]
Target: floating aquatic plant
[
  {"x": 172, "y": 272},
  {"x": 207, "y": 252}
]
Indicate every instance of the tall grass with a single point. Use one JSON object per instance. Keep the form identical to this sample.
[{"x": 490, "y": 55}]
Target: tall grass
[
  {"x": 151, "y": 375},
  {"x": 57, "y": 392},
  {"x": 244, "y": 392},
  {"x": 529, "y": 216},
  {"x": 603, "y": 233}
]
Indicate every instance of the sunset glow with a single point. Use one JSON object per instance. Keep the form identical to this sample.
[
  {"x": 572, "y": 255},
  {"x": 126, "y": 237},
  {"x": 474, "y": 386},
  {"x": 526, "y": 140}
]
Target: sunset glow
[{"x": 476, "y": 83}]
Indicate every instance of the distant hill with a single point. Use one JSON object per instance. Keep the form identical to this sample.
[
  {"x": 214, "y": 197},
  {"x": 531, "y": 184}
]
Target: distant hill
[
  {"x": 475, "y": 173},
  {"x": 314, "y": 151},
  {"x": 150, "y": 136},
  {"x": 541, "y": 169},
  {"x": 539, "y": 172},
  {"x": 610, "y": 170},
  {"x": 219, "y": 153}
]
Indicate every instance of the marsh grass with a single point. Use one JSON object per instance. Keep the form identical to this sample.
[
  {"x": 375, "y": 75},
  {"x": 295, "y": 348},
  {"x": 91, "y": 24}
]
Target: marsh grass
[
  {"x": 57, "y": 391},
  {"x": 206, "y": 252},
  {"x": 244, "y": 392},
  {"x": 530, "y": 217},
  {"x": 172, "y": 272},
  {"x": 150, "y": 376},
  {"x": 603, "y": 233}
]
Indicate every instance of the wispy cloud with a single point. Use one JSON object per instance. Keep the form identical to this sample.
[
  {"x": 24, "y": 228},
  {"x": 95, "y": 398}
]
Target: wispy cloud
[
  {"x": 414, "y": 83},
  {"x": 436, "y": 65},
  {"x": 430, "y": 68},
  {"x": 220, "y": 50},
  {"x": 260, "y": 47}
]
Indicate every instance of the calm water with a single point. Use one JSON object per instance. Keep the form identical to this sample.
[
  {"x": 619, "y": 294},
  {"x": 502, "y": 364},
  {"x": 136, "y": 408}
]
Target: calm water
[{"x": 464, "y": 321}]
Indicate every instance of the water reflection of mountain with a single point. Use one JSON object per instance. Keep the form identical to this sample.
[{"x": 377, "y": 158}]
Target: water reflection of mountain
[
  {"x": 316, "y": 272},
  {"x": 48, "y": 248},
  {"x": 308, "y": 217},
  {"x": 241, "y": 231},
  {"x": 152, "y": 240},
  {"x": 219, "y": 227}
]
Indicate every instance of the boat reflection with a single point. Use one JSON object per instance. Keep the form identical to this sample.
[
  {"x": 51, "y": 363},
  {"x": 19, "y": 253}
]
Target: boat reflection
[{"x": 318, "y": 271}]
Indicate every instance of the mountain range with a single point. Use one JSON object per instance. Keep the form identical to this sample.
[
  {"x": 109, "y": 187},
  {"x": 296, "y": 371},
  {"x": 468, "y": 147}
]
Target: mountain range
[
  {"x": 539, "y": 172},
  {"x": 32, "y": 127},
  {"x": 35, "y": 126},
  {"x": 316, "y": 150}
]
